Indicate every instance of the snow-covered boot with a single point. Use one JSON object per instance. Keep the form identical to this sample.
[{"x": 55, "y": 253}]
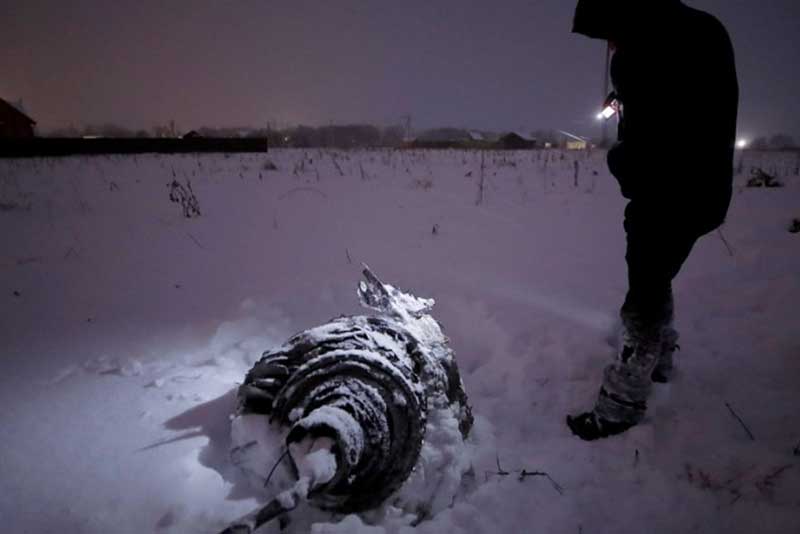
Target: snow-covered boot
[
  {"x": 589, "y": 426},
  {"x": 622, "y": 401},
  {"x": 665, "y": 367}
]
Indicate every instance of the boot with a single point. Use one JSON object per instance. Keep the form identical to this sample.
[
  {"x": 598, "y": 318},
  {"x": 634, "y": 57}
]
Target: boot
[
  {"x": 589, "y": 426},
  {"x": 622, "y": 401}
]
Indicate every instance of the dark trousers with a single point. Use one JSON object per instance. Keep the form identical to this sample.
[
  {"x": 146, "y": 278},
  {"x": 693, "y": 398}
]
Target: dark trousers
[{"x": 659, "y": 242}]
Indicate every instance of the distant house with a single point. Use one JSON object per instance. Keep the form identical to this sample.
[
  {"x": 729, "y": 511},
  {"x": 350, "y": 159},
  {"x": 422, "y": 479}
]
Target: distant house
[
  {"x": 191, "y": 134},
  {"x": 577, "y": 144},
  {"x": 516, "y": 141},
  {"x": 14, "y": 123},
  {"x": 574, "y": 142}
]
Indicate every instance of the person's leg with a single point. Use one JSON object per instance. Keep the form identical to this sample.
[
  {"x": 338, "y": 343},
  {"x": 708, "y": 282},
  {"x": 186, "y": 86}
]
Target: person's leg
[
  {"x": 665, "y": 366},
  {"x": 654, "y": 255},
  {"x": 677, "y": 245}
]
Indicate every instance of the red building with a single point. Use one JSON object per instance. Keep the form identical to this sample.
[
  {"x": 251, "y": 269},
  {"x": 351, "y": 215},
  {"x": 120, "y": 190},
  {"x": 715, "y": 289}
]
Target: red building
[{"x": 14, "y": 123}]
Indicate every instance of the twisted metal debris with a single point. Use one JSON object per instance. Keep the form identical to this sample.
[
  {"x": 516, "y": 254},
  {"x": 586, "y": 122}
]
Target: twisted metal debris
[{"x": 365, "y": 384}]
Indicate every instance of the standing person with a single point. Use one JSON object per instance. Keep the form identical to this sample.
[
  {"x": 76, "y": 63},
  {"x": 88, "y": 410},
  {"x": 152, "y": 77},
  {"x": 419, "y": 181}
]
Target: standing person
[{"x": 677, "y": 96}]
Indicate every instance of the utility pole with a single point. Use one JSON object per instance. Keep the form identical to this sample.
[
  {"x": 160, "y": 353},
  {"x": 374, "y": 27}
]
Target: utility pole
[
  {"x": 407, "y": 119},
  {"x": 605, "y": 91}
]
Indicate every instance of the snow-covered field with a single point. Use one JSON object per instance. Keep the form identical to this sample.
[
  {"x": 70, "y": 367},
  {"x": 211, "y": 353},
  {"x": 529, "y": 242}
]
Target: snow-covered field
[{"x": 125, "y": 328}]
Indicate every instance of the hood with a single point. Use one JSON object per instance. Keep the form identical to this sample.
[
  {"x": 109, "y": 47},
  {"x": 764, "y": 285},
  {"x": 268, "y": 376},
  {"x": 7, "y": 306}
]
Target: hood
[{"x": 620, "y": 19}]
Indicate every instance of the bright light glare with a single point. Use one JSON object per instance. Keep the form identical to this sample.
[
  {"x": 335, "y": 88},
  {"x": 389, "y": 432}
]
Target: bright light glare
[
  {"x": 742, "y": 143},
  {"x": 606, "y": 113}
]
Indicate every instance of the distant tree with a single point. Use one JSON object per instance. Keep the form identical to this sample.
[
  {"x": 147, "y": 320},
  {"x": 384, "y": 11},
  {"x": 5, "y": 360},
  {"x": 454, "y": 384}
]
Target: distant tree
[
  {"x": 760, "y": 143},
  {"x": 114, "y": 130},
  {"x": 546, "y": 136},
  {"x": 206, "y": 131},
  {"x": 227, "y": 131},
  {"x": 94, "y": 130},
  {"x": 781, "y": 141},
  {"x": 277, "y": 138},
  {"x": 69, "y": 131},
  {"x": 257, "y": 132},
  {"x": 302, "y": 137},
  {"x": 393, "y": 136},
  {"x": 444, "y": 135},
  {"x": 347, "y": 136},
  {"x": 161, "y": 131}
]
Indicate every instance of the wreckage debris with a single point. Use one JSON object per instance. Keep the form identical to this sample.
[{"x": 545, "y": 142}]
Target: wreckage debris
[{"x": 352, "y": 398}]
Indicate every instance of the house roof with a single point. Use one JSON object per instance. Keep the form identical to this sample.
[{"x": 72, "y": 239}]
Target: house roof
[
  {"x": 6, "y": 108},
  {"x": 522, "y": 136},
  {"x": 573, "y": 136}
]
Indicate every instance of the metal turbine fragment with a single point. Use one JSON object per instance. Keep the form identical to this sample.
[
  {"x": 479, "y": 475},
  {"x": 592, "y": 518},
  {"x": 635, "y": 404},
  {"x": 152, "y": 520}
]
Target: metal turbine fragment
[{"x": 365, "y": 385}]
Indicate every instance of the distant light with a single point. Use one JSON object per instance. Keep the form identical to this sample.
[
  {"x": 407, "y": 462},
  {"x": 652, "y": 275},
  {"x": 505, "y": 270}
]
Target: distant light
[{"x": 742, "y": 143}]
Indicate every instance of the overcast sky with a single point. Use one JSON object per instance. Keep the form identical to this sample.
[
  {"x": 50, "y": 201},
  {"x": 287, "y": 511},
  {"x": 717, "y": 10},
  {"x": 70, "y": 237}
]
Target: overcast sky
[{"x": 509, "y": 64}]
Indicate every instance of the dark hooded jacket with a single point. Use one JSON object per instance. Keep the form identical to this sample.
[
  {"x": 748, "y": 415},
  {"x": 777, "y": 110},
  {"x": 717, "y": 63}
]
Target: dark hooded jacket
[{"x": 674, "y": 74}]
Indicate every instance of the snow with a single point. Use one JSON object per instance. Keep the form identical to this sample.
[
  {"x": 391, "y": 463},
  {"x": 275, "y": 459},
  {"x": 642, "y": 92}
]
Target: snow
[
  {"x": 125, "y": 329},
  {"x": 256, "y": 446},
  {"x": 314, "y": 460},
  {"x": 343, "y": 423},
  {"x": 444, "y": 462}
]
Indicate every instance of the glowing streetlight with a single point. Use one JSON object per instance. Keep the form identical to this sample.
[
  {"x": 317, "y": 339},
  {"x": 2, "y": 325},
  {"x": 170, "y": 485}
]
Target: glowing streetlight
[{"x": 742, "y": 144}]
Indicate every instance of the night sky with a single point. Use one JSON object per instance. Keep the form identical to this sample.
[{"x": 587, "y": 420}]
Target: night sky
[{"x": 470, "y": 63}]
